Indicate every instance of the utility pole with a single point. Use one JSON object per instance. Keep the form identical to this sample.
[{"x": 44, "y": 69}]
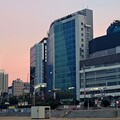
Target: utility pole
[
  {"x": 34, "y": 97},
  {"x": 84, "y": 80},
  {"x": 84, "y": 77},
  {"x": 88, "y": 102}
]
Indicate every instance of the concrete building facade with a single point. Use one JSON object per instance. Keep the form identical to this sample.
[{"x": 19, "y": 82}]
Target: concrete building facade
[
  {"x": 101, "y": 76},
  {"x": 100, "y": 73},
  {"x": 17, "y": 87},
  {"x": 3, "y": 81},
  {"x": 26, "y": 89},
  {"x": 10, "y": 90}
]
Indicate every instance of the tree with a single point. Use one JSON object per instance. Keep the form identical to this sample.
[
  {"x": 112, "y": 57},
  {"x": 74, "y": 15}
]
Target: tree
[
  {"x": 3, "y": 104},
  {"x": 13, "y": 100},
  {"x": 90, "y": 102},
  {"x": 105, "y": 103}
]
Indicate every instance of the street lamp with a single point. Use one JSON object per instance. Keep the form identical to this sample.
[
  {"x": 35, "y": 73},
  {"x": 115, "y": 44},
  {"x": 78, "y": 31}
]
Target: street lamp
[
  {"x": 84, "y": 82},
  {"x": 88, "y": 100}
]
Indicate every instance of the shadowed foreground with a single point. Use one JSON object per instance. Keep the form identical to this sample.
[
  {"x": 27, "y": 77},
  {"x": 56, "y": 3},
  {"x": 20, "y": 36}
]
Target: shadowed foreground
[{"x": 28, "y": 118}]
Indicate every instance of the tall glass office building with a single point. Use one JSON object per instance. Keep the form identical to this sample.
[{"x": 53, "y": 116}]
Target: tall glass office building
[
  {"x": 38, "y": 59},
  {"x": 3, "y": 81},
  {"x": 68, "y": 44}
]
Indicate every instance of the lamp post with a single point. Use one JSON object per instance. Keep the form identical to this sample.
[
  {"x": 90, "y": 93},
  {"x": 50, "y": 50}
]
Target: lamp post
[
  {"x": 88, "y": 101},
  {"x": 54, "y": 94},
  {"x": 84, "y": 81},
  {"x": 34, "y": 97}
]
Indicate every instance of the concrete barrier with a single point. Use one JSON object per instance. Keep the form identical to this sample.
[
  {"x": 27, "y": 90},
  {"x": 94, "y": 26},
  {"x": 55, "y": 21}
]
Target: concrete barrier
[{"x": 101, "y": 113}]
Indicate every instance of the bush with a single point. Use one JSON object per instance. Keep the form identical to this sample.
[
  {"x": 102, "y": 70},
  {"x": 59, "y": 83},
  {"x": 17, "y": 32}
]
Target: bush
[
  {"x": 3, "y": 106},
  {"x": 52, "y": 103},
  {"x": 13, "y": 100},
  {"x": 77, "y": 102},
  {"x": 105, "y": 103},
  {"x": 91, "y": 103},
  {"x": 26, "y": 106}
]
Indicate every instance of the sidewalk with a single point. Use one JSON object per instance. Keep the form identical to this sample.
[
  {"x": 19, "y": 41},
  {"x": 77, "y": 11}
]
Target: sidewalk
[{"x": 28, "y": 118}]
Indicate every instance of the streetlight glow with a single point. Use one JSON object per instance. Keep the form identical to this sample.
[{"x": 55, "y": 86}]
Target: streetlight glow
[
  {"x": 38, "y": 86},
  {"x": 70, "y": 88},
  {"x": 42, "y": 85}
]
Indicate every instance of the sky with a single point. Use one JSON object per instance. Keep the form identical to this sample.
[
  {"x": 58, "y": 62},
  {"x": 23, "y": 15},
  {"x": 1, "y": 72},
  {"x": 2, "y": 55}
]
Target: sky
[{"x": 24, "y": 23}]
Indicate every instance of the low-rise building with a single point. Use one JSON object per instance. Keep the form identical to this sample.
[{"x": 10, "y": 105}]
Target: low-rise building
[
  {"x": 17, "y": 87},
  {"x": 100, "y": 76}
]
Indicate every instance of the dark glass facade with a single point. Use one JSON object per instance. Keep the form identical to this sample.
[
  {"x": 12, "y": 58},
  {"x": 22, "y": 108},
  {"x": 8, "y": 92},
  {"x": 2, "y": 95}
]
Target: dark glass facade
[
  {"x": 49, "y": 78},
  {"x": 38, "y": 64},
  {"x": 49, "y": 64},
  {"x": 65, "y": 57},
  {"x": 104, "y": 42},
  {"x": 32, "y": 68},
  {"x": 114, "y": 27}
]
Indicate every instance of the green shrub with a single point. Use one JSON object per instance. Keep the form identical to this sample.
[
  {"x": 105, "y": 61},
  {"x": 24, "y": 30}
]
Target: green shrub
[
  {"x": 105, "y": 103},
  {"x": 91, "y": 103},
  {"x": 52, "y": 103}
]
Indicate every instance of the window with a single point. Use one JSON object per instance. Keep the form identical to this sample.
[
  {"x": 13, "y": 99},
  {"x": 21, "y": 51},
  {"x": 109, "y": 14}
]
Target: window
[
  {"x": 82, "y": 40},
  {"x": 87, "y": 34},
  {"x": 87, "y": 29},
  {"x": 82, "y": 45},
  {"x": 81, "y": 29},
  {"x": 81, "y": 34},
  {"x": 81, "y": 23},
  {"x": 82, "y": 50},
  {"x": 82, "y": 56}
]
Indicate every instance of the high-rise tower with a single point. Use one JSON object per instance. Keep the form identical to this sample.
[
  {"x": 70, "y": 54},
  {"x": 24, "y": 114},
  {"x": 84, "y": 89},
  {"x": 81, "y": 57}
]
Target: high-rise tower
[
  {"x": 37, "y": 63},
  {"x": 3, "y": 81},
  {"x": 68, "y": 44}
]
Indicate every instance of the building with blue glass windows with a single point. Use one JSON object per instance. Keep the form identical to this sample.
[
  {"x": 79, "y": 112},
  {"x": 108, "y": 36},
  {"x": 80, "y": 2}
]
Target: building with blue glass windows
[
  {"x": 67, "y": 44},
  {"x": 114, "y": 27},
  {"x": 3, "y": 82},
  {"x": 38, "y": 59}
]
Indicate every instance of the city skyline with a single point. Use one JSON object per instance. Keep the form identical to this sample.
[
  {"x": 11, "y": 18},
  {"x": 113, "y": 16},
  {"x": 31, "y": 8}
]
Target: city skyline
[{"x": 24, "y": 23}]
